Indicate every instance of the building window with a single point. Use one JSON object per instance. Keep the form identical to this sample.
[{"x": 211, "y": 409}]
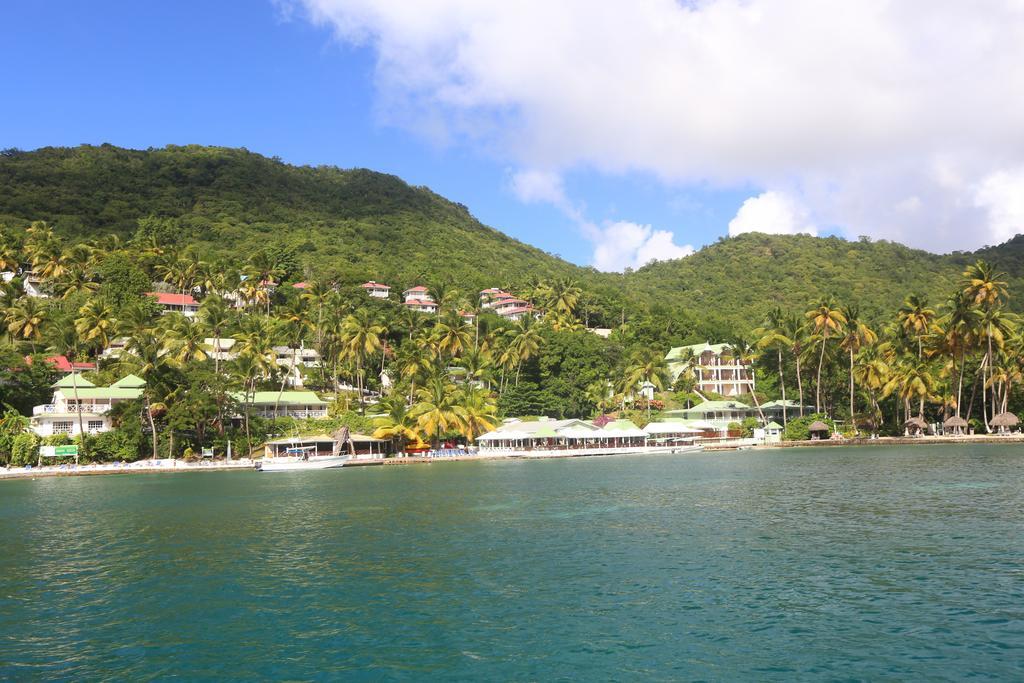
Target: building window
[
  {"x": 62, "y": 427},
  {"x": 95, "y": 425}
]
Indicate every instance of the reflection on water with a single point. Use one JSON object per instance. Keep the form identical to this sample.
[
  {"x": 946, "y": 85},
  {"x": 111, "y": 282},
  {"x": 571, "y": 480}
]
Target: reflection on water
[{"x": 832, "y": 563}]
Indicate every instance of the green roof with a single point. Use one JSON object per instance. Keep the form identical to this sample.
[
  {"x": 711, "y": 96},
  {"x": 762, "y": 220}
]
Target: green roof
[
  {"x": 773, "y": 425},
  {"x": 129, "y": 382},
  {"x": 778, "y": 404},
  {"x": 288, "y": 398},
  {"x": 69, "y": 381}
]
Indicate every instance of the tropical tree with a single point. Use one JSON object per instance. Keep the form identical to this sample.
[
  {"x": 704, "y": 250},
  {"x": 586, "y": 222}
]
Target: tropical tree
[
  {"x": 856, "y": 336},
  {"x": 827, "y": 321},
  {"x": 437, "y": 410},
  {"x": 916, "y": 319},
  {"x": 360, "y": 338},
  {"x": 397, "y": 423}
]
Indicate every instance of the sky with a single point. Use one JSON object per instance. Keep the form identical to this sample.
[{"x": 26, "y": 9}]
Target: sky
[{"x": 609, "y": 133}]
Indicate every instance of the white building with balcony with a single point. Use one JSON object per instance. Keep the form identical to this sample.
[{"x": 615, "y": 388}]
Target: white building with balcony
[
  {"x": 377, "y": 290},
  {"x": 73, "y": 396},
  {"x": 714, "y": 369}
]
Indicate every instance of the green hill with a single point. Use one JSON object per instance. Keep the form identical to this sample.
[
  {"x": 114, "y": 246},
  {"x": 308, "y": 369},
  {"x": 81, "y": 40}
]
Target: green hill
[{"x": 352, "y": 225}]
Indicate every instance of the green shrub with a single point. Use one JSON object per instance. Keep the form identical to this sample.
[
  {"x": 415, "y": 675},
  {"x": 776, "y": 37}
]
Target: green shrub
[
  {"x": 797, "y": 429},
  {"x": 25, "y": 449}
]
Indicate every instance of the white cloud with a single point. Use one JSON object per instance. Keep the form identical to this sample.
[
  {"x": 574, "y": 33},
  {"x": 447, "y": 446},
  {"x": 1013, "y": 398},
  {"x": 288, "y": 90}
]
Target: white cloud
[
  {"x": 1001, "y": 194},
  {"x": 851, "y": 107},
  {"x": 532, "y": 186},
  {"x": 771, "y": 212},
  {"x": 624, "y": 244}
]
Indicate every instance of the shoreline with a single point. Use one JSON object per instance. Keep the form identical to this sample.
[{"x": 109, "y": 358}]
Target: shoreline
[{"x": 247, "y": 464}]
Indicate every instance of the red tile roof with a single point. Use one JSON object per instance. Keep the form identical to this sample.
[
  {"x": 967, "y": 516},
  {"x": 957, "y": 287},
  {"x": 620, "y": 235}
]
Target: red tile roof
[
  {"x": 169, "y": 299},
  {"x": 300, "y": 285},
  {"x": 512, "y": 311},
  {"x": 374, "y": 285},
  {"x": 419, "y": 288},
  {"x": 62, "y": 364}
]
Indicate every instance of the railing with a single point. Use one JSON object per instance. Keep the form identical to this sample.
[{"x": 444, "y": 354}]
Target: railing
[{"x": 51, "y": 408}]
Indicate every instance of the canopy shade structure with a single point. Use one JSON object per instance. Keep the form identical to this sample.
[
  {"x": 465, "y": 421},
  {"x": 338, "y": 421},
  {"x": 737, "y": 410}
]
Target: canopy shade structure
[
  {"x": 916, "y": 422},
  {"x": 1005, "y": 420},
  {"x": 955, "y": 422},
  {"x": 818, "y": 426},
  {"x": 634, "y": 432},
  {"x": 579, "y": 433}
]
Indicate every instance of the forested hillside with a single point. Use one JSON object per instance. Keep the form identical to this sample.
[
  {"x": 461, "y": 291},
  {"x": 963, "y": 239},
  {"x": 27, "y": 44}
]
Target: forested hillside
[{"x": 352, "y": 225}]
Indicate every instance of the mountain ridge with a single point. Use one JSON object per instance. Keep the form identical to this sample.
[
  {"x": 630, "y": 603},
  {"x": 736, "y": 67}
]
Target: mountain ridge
[{"x": 356, "y": 224}]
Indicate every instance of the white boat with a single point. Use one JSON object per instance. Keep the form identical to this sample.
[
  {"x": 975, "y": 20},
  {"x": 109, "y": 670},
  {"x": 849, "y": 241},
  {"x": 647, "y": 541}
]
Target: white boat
[{"x": 300, "y": 463}]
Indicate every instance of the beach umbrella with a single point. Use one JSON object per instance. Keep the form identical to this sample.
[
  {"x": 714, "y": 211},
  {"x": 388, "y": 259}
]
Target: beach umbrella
[
  {"x": 917, "y": 422},
  {"x": 818, "y": 426},
  {"x": 955, "y": 422}
]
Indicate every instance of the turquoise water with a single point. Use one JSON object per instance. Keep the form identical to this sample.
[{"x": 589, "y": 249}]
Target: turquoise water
[{"x": 825, "y": 564}]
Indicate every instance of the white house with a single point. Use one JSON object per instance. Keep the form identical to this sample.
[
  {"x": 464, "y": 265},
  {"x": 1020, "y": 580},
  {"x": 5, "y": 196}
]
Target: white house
[
  {"x": 76, "y": 395},
  {"x": 377, "y": 290},
  {"x": 714, "y": 369},
  {"x": 176, "y": 303}
]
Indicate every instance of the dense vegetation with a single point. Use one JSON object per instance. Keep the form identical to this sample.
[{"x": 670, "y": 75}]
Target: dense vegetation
[{"x": 846, "y": 325}]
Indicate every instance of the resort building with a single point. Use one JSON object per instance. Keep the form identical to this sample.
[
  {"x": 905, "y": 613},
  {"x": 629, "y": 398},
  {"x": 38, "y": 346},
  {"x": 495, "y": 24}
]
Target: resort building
[
  {"x": 506, "y": 305},
  {"x": 292, "y": 359},
  {"x": 176, "y": 303},
  {"x": 76, "y": 395},
  {"x": 719, "y": 414},
  {"x": 222, "y": 349},
  {"x": 376, "y": 289},
  {"x": 298, "y": 404},
  {"x": 714, "y": 369},
  {"x": 419, "y": 299},
  {"x": 33, "y": 286},
  {"x": 773, "y": 410},
  {"x": 325, "y": 444},
  {"x": 555, "y": 435}
]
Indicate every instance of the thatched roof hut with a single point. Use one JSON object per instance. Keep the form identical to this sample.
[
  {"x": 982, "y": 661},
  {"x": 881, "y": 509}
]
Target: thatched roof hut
[
  {"x": 817, "y": 428},
  {"x": 955, "y": 422},
  {"x": 916, "y": 425},
  {"x": 1005, "y": 420}
]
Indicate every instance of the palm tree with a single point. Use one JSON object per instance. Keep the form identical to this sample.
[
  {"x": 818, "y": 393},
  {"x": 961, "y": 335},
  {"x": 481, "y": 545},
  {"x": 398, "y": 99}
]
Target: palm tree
[
  {"x": 361, "y": 338},
  {"x": 477, "y": 412},
  {"x": 451, "y": 335},
  {"x": 436, "y": 409},
  {"x": 912, "y": 378},
  {"x": 856, "y": 336},
  {"x": 214, "y": 318},
  {"x": 146, "y": 352},
  {"x": 827, "y": 320},
  {"x": 96, "y": 324},
  {"x": 872, "y": 373},
  {"x": 26, "y": 320},
  {"x": 525, "y": 344},
  {"x": 795, "y": 330},
  {"x": 397, "y": 422},
  {"x": 916, "y": 319},
  {"x": 959, "y": 334},
  {"x": 186, "y": 342},
  {"x": 773, "y": 336},
  {"x": 646, "y": 366},
  {"x": 984, "y": 285}
]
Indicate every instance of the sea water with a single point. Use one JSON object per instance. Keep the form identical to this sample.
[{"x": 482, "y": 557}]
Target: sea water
[{"x": 820, "y": 564}]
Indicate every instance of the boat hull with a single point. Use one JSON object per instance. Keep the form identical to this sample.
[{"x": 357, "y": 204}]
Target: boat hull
[{"x": 325, "y": 462}]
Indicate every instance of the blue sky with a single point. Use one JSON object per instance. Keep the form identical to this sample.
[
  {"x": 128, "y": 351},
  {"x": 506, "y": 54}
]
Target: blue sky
[{"x": 607, "y": 133}]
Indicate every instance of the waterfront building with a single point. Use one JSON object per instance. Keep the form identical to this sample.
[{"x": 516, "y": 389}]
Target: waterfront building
[
  {"x": 773, "y": 410},
  {"x": 74, "y": 395},
  {"x": 720, "y": 414},
  {"x": 176, "y": 303},
  {"x": 325, "y": 444},
  {"x": 714, "y": 369},
  {"x": 517, "y": 436},
  {"x": 298, "y": 404},
  {"x": 377, "y": 290}
]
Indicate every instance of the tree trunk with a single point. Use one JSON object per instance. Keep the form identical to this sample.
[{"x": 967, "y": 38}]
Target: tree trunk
[
  {"x": 782, "y": 386},
  {"x": 960, "y": 381},
  {"x": 799, "y": 384},
  {"x": 152, "y": 425},
  {"x": 853, "y": 419},
  {"x": 817, "y": 383}
]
